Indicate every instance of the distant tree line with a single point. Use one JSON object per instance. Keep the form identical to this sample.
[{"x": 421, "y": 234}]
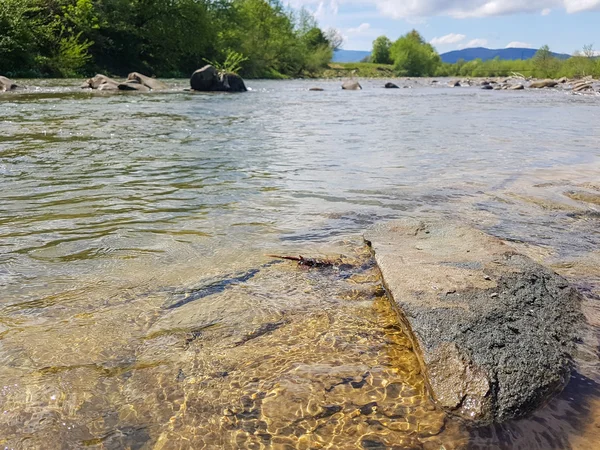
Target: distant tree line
[
  {"x": 159, "y": 37},
  {"x": 411, "y": 56}
]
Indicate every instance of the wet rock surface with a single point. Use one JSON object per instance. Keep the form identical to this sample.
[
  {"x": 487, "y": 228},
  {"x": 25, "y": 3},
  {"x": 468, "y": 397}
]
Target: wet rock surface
[
  {"x": 542, "y": 84},
  {"x": 7, "y": 84},
  {"x": 151, "y": 83},
  {"x": 494, "y": 328},
  {"x": 351, "y": 85},
  {"x": 101, "y": 82},
  {"x": 208, "y": 79}
]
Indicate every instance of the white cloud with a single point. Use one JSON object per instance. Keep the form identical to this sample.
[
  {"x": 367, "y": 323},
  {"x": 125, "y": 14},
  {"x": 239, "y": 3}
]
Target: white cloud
[
  {"x": 451, "y": 38},
  {"x": 573, "y": 6},
  {"x": 517, "y": 44},
  {"x": 403, "y": 9},
  {"x": 362, "y": 28},
  {"x": 474, "y": 43}
]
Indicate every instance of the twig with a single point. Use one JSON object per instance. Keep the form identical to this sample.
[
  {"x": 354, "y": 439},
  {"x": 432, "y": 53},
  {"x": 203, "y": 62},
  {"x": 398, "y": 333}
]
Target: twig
[{"x": 307, "y": 262}]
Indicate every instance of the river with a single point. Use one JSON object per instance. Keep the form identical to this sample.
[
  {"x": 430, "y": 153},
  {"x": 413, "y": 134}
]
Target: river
[{"x": 139, "y": 305}]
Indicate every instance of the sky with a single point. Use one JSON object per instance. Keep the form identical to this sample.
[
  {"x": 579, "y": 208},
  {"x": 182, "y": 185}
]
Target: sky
[{"x": 564, "y": 25}]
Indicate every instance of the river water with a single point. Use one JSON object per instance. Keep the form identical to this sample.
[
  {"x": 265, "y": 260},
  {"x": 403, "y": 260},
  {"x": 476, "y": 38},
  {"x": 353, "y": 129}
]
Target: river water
[{"x": 139, "y": 307}]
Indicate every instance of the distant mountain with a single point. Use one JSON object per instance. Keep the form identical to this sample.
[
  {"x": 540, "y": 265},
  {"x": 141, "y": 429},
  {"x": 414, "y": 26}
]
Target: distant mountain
[
  {"x": 508, "y": 54},
  {"x": 349, "y": 56},
  {"x": 468, "y": 54}
]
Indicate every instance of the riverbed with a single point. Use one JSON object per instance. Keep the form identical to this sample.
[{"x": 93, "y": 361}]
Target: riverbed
[{"x": 139, "y": 305}]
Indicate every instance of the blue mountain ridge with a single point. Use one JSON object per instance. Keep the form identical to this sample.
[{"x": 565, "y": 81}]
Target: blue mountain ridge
[
  {"x": 468, "y": 54},
  {"x": 485, "y": 54}
]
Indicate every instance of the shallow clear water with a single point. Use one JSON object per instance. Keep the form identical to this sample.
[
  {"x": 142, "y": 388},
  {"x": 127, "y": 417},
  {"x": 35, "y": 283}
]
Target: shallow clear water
[{"x": 138, "y": 308}]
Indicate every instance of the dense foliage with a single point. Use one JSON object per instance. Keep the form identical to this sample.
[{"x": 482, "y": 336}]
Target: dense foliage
[
  {"x": 158, "y": 37},
  {"x": 381, "y": 51},
  {"x": 412, "y": 56},
  {"x": 543, "y": 65}
]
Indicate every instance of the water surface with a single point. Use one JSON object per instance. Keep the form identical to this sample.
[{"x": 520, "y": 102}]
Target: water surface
[{"x": 139, "y": 308}]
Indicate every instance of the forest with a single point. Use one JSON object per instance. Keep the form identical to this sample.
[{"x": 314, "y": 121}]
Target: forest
[{"x": 164, "y": 38}]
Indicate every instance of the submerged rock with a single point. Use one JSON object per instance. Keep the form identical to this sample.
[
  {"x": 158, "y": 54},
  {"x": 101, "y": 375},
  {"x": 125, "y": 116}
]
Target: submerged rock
[
  {"x": 391, "y": 86},
  {"x": 316, "y": 89},
  {"x": 7, "y": 84},
  {"x": 208, "y": 79},
  {"x": 543, "y": 84},
  {"x": 351, "y": 85},
  {"x": 495, "y": 329}
]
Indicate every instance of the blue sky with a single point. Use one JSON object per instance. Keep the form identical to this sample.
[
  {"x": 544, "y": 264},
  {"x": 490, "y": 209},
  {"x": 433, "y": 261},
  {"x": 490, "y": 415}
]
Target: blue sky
[{"x": 565, "y": 25}]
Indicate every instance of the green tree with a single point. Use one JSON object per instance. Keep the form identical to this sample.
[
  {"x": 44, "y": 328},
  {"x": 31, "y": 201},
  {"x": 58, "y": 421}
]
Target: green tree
[
  {"x": 381, "y": 50},
  {"x": 413, "y": 56},
  {"x": 544, "y": 63},
  {"x": 158, "y": 37},
  {"x": 19, "y": 29}
]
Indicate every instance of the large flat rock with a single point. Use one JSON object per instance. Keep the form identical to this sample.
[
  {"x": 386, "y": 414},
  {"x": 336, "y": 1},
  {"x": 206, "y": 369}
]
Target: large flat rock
[{"x": 494, "y": 330}]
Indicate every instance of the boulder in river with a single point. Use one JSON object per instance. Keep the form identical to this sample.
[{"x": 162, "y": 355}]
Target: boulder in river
[
  {"x": 516, "y": 87},
  {"x": 208, "y": 79},
  {"x": 151, "y": 83},
  {"x": 351, "y": 85},
  {"x": 7, "y": 84},
  {"x": 391, "y": 86},
  {"x": 102, "y": 83},
  {"x": 487, "y": 87},
  {"x": 454, "y": 83},
  {"x": 543, "y": 84},
  {"x": 494, "y": 330},
  {"x": 581, "y": 86},
  {"x": 316, "y": 89},
  {"x": 133, "y": 85}
]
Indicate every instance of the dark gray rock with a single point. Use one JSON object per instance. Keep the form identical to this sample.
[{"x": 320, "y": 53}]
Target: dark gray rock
[
  {"x": 454, "y": 83},
  {"x": 487, "y": 87},
  {"x": 316, "y": 89},
  {"x": 7, "y": 84},
  {"x": 351, "y": 85},
  {"x": 204, "y": 79},
  {"x": 230, "y": 82},
  {"x": 151, "y": 83},
  {"x": 495, "y": 330},
  {"x": 208, "y": 79},
  {"x": 391, "y": 86}
]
